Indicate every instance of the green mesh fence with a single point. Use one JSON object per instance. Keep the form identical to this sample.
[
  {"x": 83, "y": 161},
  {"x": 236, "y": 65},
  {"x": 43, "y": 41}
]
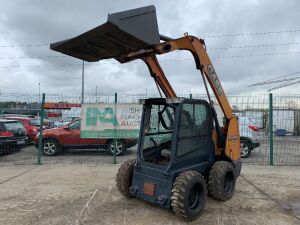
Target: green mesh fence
[{"x": 253, "y": 111}]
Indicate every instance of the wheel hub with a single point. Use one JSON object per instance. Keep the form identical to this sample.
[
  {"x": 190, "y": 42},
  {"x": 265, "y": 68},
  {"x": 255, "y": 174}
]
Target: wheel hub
[
  {"x": 119, "y": 147},
  {"x": 244, "y": 149},
  {"x": 49, "y": 148},
  {"x": 194, "y": 197},
  {"x": 229, "y": 182}
]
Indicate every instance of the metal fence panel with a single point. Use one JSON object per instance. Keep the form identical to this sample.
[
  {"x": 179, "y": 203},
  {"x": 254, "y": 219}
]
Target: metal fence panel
[{"x": 253, "y": 111}]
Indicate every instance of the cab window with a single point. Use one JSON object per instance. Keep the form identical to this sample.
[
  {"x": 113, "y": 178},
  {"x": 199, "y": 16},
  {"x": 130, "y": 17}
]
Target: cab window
[{"x": 194, "y": 124}]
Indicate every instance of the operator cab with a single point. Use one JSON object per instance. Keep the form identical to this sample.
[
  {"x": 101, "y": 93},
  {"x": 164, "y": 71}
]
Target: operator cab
[{"x": 174, "y": 128}]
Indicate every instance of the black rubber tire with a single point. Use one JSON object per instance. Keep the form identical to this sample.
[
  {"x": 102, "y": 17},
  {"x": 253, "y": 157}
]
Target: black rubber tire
[
  {"x": 248, "y": 145},
  {"x": 119, "y": 143},
  {"x": 183, "y": 190},
  {"x": 221, "y": 181},
  {"x": 50, "y": 142},
  {"x": 124, "y": 177}
]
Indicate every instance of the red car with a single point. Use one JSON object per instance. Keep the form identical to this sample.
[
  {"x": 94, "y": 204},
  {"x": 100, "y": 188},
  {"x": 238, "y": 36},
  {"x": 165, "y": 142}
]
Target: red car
[
  {"x": 68, "y": 136},
  {"x": 31, "y": 126},
  {"x": 53, "y": 113}
]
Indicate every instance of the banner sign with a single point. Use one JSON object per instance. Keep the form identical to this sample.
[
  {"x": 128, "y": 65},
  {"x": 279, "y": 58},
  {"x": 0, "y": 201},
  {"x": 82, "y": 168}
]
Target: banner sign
[{"x": 110, "y": 120}]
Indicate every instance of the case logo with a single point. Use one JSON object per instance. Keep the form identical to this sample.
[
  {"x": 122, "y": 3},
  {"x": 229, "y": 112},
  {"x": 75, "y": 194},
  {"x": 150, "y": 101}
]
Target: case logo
[{"x": 215, "y": 79}]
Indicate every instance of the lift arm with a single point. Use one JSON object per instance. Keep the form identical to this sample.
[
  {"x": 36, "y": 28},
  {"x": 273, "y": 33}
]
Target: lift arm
[
  {"x": 158, "y": 75},
  {"x": 203, "y": 63},
  {"x": 202, "y": 60}
]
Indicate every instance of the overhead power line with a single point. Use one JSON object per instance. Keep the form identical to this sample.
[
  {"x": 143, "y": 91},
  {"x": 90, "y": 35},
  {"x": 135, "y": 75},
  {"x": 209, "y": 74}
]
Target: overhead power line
[
  {"x": 285, "y": 81},
  {"x": 279, "y": 81},
  {"x": 284, "y": 85},
  {"x": 210, "y": 49},
  {"x": 46, "y": 65},
  {"x": 253, "y": 46},
  {"x": 25, "y": 45},
  {"x": 251, "y": 33},
  {"x": 236, "y": 56},
  {"x": 34, "y": 57},
  {"x": 205, "y": 36},
  {"x": 166, "y": 60},
  {"x": 255, "y": 55},
  {"x": 273, "y": 80}
]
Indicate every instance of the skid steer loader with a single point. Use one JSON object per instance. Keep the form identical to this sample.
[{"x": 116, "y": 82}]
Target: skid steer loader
[{"x": 183, "y": 153}]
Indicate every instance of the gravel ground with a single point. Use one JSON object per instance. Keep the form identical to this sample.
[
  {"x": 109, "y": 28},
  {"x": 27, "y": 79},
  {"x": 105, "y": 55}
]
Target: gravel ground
[{"x": 86, "y": 194}]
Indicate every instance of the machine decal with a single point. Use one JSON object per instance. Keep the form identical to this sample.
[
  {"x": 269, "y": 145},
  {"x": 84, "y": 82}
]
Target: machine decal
[
  {"x": 233, "y": 138},
  {"x": 215, "y": 79},
  {"x": 101, "y": 120}
]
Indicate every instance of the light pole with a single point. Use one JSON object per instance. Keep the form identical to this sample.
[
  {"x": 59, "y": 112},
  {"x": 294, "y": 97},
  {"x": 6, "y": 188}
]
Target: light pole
[
  {"x": 97, "y": 94},
  {"x": 82, "y": 83},
  {"x": 39, "y": 92}
]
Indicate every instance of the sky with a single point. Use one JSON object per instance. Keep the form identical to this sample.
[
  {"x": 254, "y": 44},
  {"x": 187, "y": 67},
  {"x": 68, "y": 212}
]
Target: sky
[{"x": 248, "y": 41}]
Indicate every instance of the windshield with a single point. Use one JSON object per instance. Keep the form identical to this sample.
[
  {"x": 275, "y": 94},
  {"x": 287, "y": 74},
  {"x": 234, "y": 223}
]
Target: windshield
[
  {"x": 35, "y": 122},
  {"x": 12, "y": 126},
  {"x": 67, "y": 120},
  {"x": 158, "y": 128},
  {"x": 75, "y": 125}
]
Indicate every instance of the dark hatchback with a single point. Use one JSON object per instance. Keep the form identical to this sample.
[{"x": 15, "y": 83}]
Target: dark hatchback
[{"x": 12, "y": 136}]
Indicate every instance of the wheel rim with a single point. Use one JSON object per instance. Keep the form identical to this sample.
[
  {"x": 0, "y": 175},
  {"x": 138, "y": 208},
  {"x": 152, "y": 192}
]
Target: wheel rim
[
  {"x": 119, "y": 147},
  {"x": 229, "y": 182},
  {"x": 244, "y": 149},
  {"x": 195, "y": 196},
  {"x": 50, "y": 148}
]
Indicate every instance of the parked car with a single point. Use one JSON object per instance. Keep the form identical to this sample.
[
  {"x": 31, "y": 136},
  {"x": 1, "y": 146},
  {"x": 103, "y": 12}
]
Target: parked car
[
  {"x": 31, "y": 125},
  {"x": 53, "y": 113},
  {"x": 248, "y": 133},
  {"x": 47, "y": 124},
  {"x": 68, "y": 136},
  {"x": 12, "y": 136},
  {"x": 15, "y": 115},
  {"x": 65, "y": 121}
]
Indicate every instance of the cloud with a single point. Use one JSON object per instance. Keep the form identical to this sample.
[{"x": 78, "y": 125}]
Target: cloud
[{"x": 43, "y": 22}]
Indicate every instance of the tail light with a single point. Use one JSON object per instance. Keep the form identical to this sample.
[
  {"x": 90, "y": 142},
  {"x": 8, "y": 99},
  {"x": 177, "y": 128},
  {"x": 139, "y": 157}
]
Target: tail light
[
  {"x": 33, "y": 131},
  {"x": 253, "y": 127},
  {"x": 6, "y": 134}
]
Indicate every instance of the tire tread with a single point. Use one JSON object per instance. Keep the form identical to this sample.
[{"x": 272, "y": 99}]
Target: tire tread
[
  {"x": 178, "y": 193},
  {"x": 215, "y": 180},
  {"x": 124, "y": 177}
]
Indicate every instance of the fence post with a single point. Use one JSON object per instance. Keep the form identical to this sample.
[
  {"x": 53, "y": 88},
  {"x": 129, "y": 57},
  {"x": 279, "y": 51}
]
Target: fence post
[
  {"x": 42, "y": 112},
  {"x": 271, "y": 128},
  {"x": 115, "y": 131}
]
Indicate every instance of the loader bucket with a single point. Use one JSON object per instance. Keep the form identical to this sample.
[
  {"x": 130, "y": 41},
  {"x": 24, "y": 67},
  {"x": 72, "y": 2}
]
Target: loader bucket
[{"x": 124, "y": 32}]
